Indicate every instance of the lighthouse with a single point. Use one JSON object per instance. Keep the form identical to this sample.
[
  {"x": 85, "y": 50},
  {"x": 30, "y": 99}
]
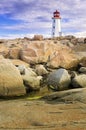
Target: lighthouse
[{"x": 56, "y": 24}]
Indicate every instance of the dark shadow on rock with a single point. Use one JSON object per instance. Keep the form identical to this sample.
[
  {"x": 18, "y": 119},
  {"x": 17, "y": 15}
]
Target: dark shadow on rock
[{"x": 66, "y": 97}]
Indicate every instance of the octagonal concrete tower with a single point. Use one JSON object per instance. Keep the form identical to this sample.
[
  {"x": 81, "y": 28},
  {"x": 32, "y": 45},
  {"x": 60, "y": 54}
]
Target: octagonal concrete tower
[{"x": 56, "y": 24}]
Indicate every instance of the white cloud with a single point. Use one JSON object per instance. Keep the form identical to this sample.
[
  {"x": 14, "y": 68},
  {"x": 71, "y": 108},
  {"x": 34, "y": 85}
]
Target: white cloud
[
  {"x": 80, "y": 34},
  {"x": 14, "y": 36}
]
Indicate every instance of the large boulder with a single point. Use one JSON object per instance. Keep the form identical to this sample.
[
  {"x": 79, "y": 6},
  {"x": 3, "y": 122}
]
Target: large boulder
[
  {"x": 34, "y": 53},
  {"x": 80, "y": 51},
  {"x": 59, "y": 80},
  {"x": 38, "y": 37},
  {"x": 79, "y": 81},
  {"x": 18, "y": 62},
  {"x": 63, "y": 58},
  {"x": 14, "y": 53},
  {"x": 4, "y": 50},
  {"x": 2, "y": 41},
  {"x": 1, "y": 57},
  {"x": 54, "y": 55},
  {"x": 11, "y": 83},
  {"x": 80, "y": 48}
]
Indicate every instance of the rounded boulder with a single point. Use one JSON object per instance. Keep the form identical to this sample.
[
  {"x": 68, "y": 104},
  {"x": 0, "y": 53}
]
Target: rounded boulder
[
  {"x": 59, "y": 80},
  {"x": 11, "y": 83}
]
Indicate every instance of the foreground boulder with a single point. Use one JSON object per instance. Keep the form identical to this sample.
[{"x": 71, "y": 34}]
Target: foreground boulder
[
  {"x": 59, "y": 80},
  {"x": 11, "y": 83}
]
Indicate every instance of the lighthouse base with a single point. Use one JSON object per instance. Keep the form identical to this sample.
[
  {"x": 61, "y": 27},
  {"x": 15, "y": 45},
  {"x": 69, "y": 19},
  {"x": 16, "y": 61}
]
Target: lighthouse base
[{"x": 57, "y": 35}]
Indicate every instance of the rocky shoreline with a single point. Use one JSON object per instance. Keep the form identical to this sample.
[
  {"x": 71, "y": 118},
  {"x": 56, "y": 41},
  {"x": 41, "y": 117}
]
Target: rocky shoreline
[
  {"x": 43, "y": 83},
  {"x": 27, "y": 65}
]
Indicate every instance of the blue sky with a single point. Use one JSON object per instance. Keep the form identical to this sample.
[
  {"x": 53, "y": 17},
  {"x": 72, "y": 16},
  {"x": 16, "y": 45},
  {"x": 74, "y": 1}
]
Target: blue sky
[{"x": 19, "y": 18}]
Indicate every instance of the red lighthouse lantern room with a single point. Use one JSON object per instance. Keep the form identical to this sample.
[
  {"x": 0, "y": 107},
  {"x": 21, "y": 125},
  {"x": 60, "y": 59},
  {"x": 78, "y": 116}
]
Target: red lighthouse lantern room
[{"x": 56, "y": 14}]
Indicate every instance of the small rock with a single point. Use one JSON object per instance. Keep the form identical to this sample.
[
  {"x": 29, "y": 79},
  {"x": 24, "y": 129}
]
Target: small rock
[
  {"x": 22, "y": 69},
  {"x": 82, "y": 70},
  {"x": 40, "y": 70}
]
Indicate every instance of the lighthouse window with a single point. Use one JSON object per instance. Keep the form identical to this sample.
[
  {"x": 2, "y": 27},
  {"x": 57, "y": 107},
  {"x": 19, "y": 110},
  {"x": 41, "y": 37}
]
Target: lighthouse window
[
  {"x": 53, "y": 33},
  {"x": 54, "y": 20}
]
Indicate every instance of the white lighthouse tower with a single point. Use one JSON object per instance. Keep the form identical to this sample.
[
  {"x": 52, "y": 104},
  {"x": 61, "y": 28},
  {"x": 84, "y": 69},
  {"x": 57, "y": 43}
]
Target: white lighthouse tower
[{"x": 56, "y": 24}]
